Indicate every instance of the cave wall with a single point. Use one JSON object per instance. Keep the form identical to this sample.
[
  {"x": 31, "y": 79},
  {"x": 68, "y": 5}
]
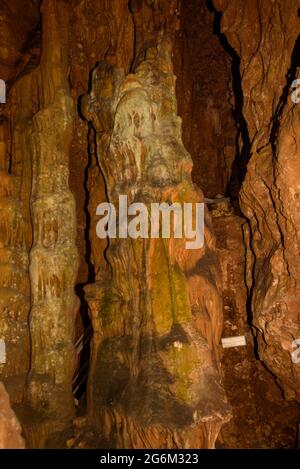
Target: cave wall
[
  {"x": 20, "y": 22},
  {"x": 261, "y": 417},
  {"x": 106, "y": 32},
  {"x": 205, "y": 98},
  {"x": 39, "y": 303},
  {"x": 16, "y": 168},
  {"x": 264, "y": 35}
]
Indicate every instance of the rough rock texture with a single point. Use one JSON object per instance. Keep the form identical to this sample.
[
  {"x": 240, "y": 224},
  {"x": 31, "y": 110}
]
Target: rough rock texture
[
  {"x": 15, "y": 235},
  {"x": 10, "y": 429},
  {"x": 20, "y": 47},
  {"x": 262, "y": 418},
  {"x": 53, "y": 256},
  {"x": 36, "y": 131},
  {"x": 106, "y": 32},
  {"x": 14, "y": 281},
  {"x": 264, "y": 35},
  {"x": 35, "y": 162},
  {"x": 154, "y": 379}
]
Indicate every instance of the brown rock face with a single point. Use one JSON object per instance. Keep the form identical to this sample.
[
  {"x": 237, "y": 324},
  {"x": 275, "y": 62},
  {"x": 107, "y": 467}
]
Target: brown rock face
[
  {"x": 270, "y": 191},
  {"x": 19, "y": 37},
  {"x": 15, "y": 231},
  {"x": 10, "y": 429},
  {"x": 261, "y": 418},
  {"x": 203, "y": 88}
]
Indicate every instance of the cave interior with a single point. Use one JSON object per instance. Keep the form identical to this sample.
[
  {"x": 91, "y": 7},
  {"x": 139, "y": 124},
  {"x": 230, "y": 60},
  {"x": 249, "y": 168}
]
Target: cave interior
[{"x": 117, "y": 342}]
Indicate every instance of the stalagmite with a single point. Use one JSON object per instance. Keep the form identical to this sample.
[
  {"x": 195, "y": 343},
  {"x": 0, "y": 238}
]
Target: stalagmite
[{"x": 156, "y": 336}]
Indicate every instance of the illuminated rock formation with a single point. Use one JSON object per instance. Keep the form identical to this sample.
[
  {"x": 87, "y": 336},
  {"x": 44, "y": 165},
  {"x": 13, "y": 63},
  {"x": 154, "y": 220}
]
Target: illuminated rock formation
[
  {"x": 14, "y": 278},
  {"x": 154, "y": 379},
  {"x": 53, "y": 256},
  {"x": 264, "y": 35},
  {"x": 261, "y": 418}
]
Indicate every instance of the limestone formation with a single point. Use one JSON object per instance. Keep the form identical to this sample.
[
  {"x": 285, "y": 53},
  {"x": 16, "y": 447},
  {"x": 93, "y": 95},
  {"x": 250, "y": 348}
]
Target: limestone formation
[
  {"x": 156, "y": 336},
  {"x": 251, "y": 390},
  {"x": 14, "y": 246},
  {"x": 91, "y": 114},
  {"x": 53, "y": 256},
  {"x": 270, "y": 190}
]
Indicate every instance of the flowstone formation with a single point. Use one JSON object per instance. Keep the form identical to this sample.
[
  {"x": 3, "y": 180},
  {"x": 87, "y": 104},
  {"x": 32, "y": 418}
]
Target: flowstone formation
[
  {"x": 265, "y": 35},
  {"x": 157, "y": 314}
]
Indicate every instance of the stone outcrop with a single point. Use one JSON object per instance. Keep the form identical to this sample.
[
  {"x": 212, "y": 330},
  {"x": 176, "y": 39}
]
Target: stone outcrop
[
  {"x": 264, "y": 35},
  {"x": 154, "y": 378}
]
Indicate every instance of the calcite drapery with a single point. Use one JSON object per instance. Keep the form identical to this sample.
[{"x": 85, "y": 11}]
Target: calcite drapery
[
  {"x": 155, "y": 307},
  {"x": 15, "y": 239},
  {"x": 264, "y": 34},
  {"x": 15, "y": 182},
  {"x": 157, "y": 317}
]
